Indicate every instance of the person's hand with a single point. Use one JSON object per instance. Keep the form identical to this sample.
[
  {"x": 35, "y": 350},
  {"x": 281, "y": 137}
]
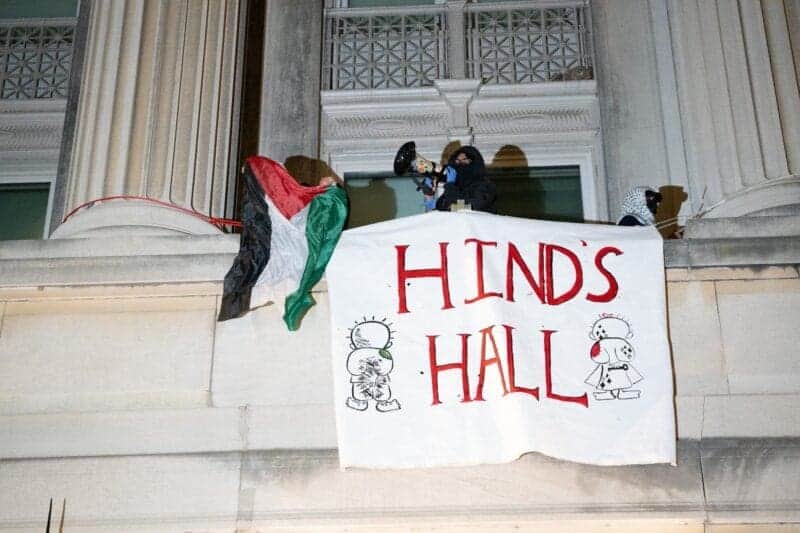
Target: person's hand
[
  {"x": 327, "y": 181},
  {"x": 450, "y": 172}
]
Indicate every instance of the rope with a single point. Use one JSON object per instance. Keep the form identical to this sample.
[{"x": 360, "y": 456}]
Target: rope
[{"x": 218, "y": 222}]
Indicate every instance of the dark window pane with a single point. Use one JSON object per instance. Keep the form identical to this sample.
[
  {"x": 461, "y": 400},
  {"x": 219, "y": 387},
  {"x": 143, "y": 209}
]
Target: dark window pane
[
  {"x": 23, "y": 209},
  {"x": 548, "y": 193},
  {"x": 14, "y": 9},
  {"x": 378, "y": 196}
]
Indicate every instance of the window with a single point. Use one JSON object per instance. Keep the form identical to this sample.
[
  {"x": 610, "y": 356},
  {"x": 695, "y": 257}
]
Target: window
[
  {"x": 379, "y": 196},
  {"x": 545, "y": 193},
  {"x": 494, "y": 74},
  {"x": 23, "y": 210},
  {"x": 384, "y": 44},
  {"x": 36, "y": 50}
]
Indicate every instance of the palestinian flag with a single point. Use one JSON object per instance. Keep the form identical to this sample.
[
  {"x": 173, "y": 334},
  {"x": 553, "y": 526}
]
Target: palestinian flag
[{"x": 288, "y": 235}]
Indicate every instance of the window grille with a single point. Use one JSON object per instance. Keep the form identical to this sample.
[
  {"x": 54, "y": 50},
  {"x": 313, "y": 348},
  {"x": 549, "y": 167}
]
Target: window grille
[
  {"x": 518, "y": 43},
  {"x": 387, "y": 48},
  {"x": 506, "y": 42},
  {"x": 35, "y": 58}
]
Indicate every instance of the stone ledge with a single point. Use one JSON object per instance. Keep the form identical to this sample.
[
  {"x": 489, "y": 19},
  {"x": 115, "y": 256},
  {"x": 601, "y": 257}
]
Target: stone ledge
[
  {"x": 754, "y": 252},
  {"x": 115, "y": 247},
  {"x": 300, "y": 426},
  {"x": 740, "y": 241},
  {"x": 166, "y": 431},
  {"x": 103, "y": 261},
  {"x": 206, "y": 258},
  {"x": 740, "y": 481},
  {"x": 759, "y": 272},
  {"x": 743, "y": 227}
]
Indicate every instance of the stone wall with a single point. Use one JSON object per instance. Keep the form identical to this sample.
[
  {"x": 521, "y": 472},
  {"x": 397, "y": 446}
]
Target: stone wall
[
  {"x": 90, "y": 327},
  {"x": 120, "y": 392},
  {"x": 703, "y": 96}
]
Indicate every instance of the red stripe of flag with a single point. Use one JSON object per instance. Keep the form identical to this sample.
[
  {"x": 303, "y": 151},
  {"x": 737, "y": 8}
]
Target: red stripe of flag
[{"x": 286, "y": 194}]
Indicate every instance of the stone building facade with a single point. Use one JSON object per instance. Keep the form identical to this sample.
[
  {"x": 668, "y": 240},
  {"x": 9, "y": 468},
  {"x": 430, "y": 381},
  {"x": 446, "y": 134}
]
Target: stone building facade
[{"x": 121, "y": 393}]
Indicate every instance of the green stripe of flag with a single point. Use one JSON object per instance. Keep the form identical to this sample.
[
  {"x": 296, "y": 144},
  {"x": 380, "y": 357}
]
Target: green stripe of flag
[{"x": 326, "y": 217}]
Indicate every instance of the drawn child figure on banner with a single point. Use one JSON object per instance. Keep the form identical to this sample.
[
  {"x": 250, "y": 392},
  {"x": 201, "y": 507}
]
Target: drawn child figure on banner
[
  {"x": 614, "y": 374},
  {"x": 369, "y": 364}
]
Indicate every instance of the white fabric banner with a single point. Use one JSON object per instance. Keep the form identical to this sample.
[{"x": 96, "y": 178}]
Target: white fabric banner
[{"x": 466, "y": 338}]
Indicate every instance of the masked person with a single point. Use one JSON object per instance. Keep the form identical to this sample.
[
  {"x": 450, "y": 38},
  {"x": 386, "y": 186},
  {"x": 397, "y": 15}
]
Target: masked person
[
  {"x": 467, "y": 181},
  {"x": 640, "y": 207}
]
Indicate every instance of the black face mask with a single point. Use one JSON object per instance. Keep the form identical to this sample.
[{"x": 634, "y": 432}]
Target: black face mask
[
  {"x": 468, "y": 172},
  {"x": 653, "y": 200}
]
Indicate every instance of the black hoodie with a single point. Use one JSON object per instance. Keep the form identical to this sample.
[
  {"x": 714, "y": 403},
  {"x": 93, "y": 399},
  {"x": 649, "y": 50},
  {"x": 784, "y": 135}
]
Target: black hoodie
[{"x": 471, "y": 183}]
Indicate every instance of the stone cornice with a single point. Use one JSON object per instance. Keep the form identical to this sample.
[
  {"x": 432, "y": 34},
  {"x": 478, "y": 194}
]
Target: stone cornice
[
  {"x": 30, "y": 127},
  {"x": 744, "y": 241},
  {"x": 206, "y": 258}
]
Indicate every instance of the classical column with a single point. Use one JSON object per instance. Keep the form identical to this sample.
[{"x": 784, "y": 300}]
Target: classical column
[
  {"x": 290, "y": 94},
  {"x": 634, "y": 97},
  {"x": 677, "y": 174},
  {"x": 777, "y": 23},
  {"x": 764, "y": 97},
  {"x": 155, "y": 116},
  {"x": 740, "y": 111}
]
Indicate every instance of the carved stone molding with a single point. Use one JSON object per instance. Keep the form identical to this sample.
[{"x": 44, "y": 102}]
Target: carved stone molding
[
  {"x": 459, "y": 104},
  {"x": 533, "y": 119},
  {"x": 551, "y": 124},
  {"x": 30, "y": 131},
  {"x": 384, "y": 125}
]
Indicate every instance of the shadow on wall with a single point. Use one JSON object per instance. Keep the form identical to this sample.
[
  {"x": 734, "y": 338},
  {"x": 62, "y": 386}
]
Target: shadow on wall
[
  {"x": 308, "y": 171},
  {"x": 448, "y": 151},
  {"x": 371, "y": 199},
  {"x": 509, "y": 156},
  {"x": 673, "y": 197}
]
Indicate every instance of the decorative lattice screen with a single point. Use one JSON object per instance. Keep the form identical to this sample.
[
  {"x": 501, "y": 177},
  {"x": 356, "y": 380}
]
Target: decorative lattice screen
[
  {"x": 506, "y": 43},
  {"x": 527, "y": 45},
  {"x": 381, "y": 51},
  {"x": 35, "y": 58}
]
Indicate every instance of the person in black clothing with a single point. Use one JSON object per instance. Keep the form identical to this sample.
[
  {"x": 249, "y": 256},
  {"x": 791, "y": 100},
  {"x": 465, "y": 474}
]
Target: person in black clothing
[
  {"x": 640, "y": 207},
  {"x": 467, "y": 181}
]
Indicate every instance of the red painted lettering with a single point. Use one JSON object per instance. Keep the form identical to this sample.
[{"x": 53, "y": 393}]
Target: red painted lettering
[
  {"x": 479, "y": 262},
  {"x": 436, "y": 368},
  {"x": 514, "y": 258},
  {"x": 404, "y": 274},
  {"x": 512, "y": 373},
  {"x": 486, "y": 333},
  {"x": 552, "y": 299},
  {"x": 582, "y": 399},
  {"x": 613, "y": 286}
]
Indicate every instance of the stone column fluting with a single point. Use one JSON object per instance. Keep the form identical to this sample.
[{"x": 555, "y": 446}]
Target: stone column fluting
[
  {"x": 777, "y": 22},
  {"x": 740, "y": 109},
  {"x": 155, "y": 117}
]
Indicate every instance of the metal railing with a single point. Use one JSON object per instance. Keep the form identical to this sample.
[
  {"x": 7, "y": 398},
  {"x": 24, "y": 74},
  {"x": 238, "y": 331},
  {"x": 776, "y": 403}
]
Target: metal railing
[
  {"x": 35, "y": 58},
  {"x": 508, "y": 42}
]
